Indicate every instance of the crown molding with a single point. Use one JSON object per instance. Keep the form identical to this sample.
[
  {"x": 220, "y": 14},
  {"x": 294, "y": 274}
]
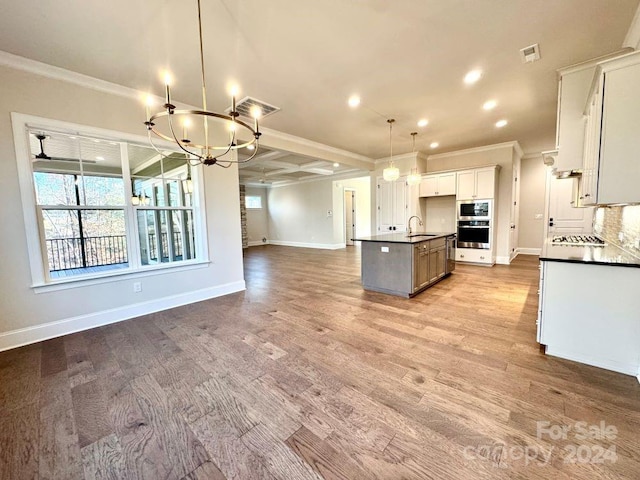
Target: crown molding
[
  {"x": 340, "y": 176},
  {"x": 403, "y": 156},
  {"x": 56, "y": 73},
  {"x": 486, "y": 148},
  {"x": 632, "y": 39}
]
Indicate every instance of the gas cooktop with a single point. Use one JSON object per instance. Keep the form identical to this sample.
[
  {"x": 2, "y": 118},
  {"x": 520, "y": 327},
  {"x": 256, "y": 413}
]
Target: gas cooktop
[{"x": 578, "y": 240}]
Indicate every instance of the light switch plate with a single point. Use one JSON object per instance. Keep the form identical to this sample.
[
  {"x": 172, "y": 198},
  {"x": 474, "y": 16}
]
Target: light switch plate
[{"x": 384, "y": 249}]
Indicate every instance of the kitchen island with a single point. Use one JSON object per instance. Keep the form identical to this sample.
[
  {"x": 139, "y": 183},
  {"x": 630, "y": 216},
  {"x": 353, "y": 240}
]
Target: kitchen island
[
  {"x": 589, "y": 305},
  {"x": 403, "y": 264}
]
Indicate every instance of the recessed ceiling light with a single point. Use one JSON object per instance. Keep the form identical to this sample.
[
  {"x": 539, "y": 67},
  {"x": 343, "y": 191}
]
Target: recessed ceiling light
[
  {"x": 336, "y": 165},
  {"x": 354, "y": 101},
  {"x": 472, "y": 77},
  {"x": 489, "y": 104},
  {"x": 501, "y": 123},
  {"x": 100, "y": 159},
  {"x": 434, "y": 145},
  {"x": 423, "y": 122}
]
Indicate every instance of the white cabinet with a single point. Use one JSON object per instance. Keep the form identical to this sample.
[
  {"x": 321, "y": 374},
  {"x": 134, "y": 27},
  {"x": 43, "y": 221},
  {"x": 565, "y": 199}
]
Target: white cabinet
[
  {"x": 477, "y": 183},
  {"x": 474, "y": 255},
  {"x": 392, "y": 204},
  {"x": 438, "y": 185},
  {"x": 612, "y": 141},
  {"x": 583, "y": 318},
  {"x": 573, "y": 91}
]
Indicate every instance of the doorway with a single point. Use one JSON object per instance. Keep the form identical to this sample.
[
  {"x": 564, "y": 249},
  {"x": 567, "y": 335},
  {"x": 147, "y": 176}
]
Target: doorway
[{"x": 349, "y": 216}]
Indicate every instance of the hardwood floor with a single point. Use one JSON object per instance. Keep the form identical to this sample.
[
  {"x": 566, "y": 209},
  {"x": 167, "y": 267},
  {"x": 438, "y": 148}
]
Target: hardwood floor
[{"x": 307, "y": 376}]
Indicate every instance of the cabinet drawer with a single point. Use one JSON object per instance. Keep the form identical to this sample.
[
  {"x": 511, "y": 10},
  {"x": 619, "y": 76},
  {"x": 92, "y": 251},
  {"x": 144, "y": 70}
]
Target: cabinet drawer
[
  {"x": 473, "y": 255},
  {"x": 436, "y": 244}
]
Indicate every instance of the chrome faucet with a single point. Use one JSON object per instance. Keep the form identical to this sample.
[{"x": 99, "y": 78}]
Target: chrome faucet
[{"x": 409, "y": 222}]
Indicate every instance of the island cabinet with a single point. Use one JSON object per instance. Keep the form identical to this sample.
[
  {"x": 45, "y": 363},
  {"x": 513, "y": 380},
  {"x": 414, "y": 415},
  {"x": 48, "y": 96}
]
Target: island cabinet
[
  {"x": 612, "y": 140},
  {"x": 438, "y": 185},
  {"x": 404, "y": 266}
]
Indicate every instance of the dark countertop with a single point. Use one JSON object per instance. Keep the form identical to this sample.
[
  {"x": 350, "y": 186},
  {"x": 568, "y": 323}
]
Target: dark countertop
[
  {"x": 401, "y": 237},
  {"x": 608, "y": 255}
]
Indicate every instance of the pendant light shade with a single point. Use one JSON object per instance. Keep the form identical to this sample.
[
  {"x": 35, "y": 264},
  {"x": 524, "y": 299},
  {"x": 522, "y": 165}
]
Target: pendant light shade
[
  {"x": 414, "y": 177},
  {"x": 391, "y": 173}
]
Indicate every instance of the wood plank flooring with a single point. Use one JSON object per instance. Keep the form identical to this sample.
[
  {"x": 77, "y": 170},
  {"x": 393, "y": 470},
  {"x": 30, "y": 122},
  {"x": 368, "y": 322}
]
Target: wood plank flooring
[{"x": 307, "y": 376}]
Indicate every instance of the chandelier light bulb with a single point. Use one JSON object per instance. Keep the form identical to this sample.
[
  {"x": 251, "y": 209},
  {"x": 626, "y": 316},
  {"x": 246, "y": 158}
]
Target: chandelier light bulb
[
  {"x": 251, "y": 147},
  {"x": 167, "y": 78},
  {"x": 256, "y": 112}
]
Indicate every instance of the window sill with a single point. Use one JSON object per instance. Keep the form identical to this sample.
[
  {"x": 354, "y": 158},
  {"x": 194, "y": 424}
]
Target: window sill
[{"x": 84, "y": 281}]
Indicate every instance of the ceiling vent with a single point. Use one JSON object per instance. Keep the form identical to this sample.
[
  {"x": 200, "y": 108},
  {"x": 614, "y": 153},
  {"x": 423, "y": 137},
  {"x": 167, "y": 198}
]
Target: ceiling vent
[
  {"x": 245, "y": 105},
  {"x": 530, "y": 54}
]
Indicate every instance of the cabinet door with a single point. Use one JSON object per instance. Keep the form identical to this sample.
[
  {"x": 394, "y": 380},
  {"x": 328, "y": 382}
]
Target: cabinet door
[
  {"x": 420, "y": 265},
  {"x": 400, "y": 205},
  {"x": 441, "y": 262},
  {"x": 385, "y": 206},
  {"x": 446, "y": 184},
  {"x": 485, "y": 183},
  {"x": 429, "y": 186},
  {"x": 618, "y": 174},
  {"x": 466, "y": 185}
]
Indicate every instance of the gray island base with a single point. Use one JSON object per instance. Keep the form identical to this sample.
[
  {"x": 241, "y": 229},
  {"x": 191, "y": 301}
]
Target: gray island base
[{"x": 403, "y": 265}]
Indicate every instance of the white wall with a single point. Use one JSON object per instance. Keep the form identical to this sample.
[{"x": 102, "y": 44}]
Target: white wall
[
  {"x": 439, "y": 213},
  {"x": 298, "y": 215},
  {"x": 532, "y": 191},
  {"x": 258, "y": 220},
  {"x": 20, "y": 306},
  {"x": 501, "y": 154}
]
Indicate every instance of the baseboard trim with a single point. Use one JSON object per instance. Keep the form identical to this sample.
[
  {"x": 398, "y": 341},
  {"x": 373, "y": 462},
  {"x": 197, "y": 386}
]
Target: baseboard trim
[
  {"x": 529, "y": 251},
  {"x": 322, "y": 246},
  {"x": 45, "y": 331},
  {"x": 258, "y": 243},
  {"x": 626, "y": 368},
  {"x": 503, "y": 260}
]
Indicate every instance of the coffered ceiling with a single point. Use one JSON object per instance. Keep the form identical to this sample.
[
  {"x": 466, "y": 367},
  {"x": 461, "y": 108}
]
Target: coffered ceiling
[{"x": 406, "y": 59}]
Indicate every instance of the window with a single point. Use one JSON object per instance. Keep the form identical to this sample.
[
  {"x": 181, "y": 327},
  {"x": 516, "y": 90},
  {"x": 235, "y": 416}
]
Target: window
[
  {"x": 104, "y": 206},
  {"x": 253, "y": 201}
]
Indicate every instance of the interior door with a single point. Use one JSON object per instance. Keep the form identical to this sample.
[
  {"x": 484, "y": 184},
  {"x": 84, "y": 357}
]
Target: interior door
[
  {"x": 515, "y": 211},
  {"x": 561, "y": 216},
  {"x": 400, "y": 204},
  {"x": 349, "y": 217},
  {"x": 385, "y": 206}
]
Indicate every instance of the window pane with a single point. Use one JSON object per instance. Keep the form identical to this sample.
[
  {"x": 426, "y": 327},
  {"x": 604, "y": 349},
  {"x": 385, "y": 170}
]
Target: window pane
[
  {"x": 84, "y": 241},
  {"x": 162, "y": 242},
  {"x": 253, "y": 201},
  {"x": 55, "y": 189}
]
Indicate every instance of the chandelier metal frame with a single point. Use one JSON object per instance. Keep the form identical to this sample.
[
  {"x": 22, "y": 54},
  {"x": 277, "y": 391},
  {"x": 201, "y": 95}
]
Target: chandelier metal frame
[{"x": 208, "y": 154}]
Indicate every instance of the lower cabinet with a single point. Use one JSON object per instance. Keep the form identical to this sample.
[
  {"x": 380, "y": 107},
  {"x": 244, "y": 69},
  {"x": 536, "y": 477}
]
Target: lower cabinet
[
  {"x": 429, "y": 263},
  {"x": 474, "y": 255}
]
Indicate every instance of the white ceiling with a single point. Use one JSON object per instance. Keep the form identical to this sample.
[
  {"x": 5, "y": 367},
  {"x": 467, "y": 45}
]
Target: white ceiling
[{"x": 405, "y": 58}]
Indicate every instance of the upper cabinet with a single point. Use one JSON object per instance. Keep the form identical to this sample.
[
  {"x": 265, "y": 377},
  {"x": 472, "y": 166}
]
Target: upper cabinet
[
  {"x": 611, "y": 171},
  {"x": 477, "y": 183},
  {"x": 573, "y": 90},
  {"x": 439, "y": 184}
]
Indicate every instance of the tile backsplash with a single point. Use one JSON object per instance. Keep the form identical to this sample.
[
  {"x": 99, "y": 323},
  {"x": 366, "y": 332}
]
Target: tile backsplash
[{"x": 609, "y": 222}]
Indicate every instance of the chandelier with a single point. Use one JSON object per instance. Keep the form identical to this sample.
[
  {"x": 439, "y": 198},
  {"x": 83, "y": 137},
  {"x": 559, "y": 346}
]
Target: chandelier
[
  {"x": 391, "y": 173},
  {"x": 206, "y": 153}
]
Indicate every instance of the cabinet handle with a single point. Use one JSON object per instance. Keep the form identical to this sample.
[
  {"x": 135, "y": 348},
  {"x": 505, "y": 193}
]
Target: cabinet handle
[
  {"x": 461, "y": 256},
  {"x": 481, "y": 258},
  {"x": 587, "y": 194}
]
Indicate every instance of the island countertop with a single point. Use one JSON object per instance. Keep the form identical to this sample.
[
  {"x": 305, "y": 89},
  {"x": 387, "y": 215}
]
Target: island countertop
[{"x": 403, "y": 237}]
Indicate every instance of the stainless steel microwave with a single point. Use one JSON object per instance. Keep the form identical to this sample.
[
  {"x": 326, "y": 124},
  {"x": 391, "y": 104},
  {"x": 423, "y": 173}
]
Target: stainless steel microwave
[{"x": 474, "y": 210}]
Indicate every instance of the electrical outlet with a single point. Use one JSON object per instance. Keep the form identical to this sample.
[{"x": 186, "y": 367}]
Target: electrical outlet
[
  {"x": 384, "y": 249},
  {"x": 621, "y": 236},
  {"x": 538, "y": 216},
  {"x": 137, "y": 287}
]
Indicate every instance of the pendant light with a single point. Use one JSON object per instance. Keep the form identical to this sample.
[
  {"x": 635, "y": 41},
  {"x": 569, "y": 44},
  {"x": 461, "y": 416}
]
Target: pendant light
[
  {"x": 414, "y": 177},
  {"x": 391, "y": 173}
]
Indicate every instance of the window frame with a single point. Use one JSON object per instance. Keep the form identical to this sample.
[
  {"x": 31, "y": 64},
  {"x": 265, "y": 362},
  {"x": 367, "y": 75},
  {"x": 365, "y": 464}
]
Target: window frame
[
  {"x": 35, "y": 237},
  {"x": 246, "y": 197}
]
